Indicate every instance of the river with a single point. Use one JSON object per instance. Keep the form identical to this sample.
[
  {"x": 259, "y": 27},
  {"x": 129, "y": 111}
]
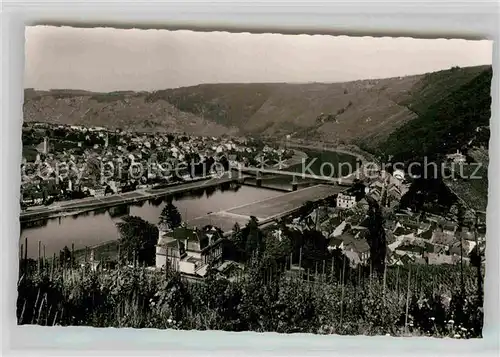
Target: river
[{"x": 92, "y": 228}]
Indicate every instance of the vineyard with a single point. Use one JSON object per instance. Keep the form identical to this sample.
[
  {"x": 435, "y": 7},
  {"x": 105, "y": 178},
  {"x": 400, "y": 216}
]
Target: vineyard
[{"x": 406, "y": 301}]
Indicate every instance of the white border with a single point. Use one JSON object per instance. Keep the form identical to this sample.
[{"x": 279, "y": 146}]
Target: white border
[{"x": 425, "y": 19}]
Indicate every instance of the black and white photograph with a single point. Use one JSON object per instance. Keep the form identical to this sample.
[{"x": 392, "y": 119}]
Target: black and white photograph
[{"x": 283, "y": 183}]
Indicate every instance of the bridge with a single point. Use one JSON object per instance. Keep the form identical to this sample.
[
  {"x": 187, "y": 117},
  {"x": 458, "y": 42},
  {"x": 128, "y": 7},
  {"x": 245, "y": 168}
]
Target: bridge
[{"x": 258, "y": 172}]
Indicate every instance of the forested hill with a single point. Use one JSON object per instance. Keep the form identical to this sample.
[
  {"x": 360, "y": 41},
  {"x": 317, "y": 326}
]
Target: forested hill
[
  {"x": 365, "y": 111},
  {"x": 449, "y": 124}
]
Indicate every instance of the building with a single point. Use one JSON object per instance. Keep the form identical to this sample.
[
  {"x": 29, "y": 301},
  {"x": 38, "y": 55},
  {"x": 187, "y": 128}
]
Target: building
[
  {"x": 345, "y": 201},
  {"x": 190, "y": 250},
  {"x": 412, "y": 250},
  {"x": 457, "y": 157},
  {"x": 399, "y": 175},
  {"x": 97, "y": 191},
  {"x": 439, "y": 259},
  {"x": 357, "y": 250}
]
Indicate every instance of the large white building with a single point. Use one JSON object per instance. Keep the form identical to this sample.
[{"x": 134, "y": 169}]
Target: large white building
[{"x": 189, "y": 251}]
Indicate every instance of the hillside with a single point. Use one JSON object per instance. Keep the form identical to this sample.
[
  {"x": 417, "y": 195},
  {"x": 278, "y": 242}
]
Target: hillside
[
  {"x": 360, "y": 111},
  {"x": 448, "y": 124},
  {"x": 126, "y": 110}
]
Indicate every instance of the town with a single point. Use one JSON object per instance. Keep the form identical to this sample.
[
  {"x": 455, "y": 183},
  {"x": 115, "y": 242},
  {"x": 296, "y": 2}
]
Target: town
[
  {"x": 318, "y": 184},
  {"x": 341, "y": 221},
  {"x": 63, "y": 162}
]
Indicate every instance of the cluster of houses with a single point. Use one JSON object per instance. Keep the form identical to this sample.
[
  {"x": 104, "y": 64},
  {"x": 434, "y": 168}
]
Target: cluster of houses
[
  {"x": 124, "y": 152},
  {"x": 192, "y": 250},
  {"x": 411, "y": 239}
]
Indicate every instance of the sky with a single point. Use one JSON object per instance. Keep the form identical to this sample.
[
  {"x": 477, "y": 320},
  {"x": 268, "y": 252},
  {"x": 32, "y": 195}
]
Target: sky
[{"x": 107, "y": 59}]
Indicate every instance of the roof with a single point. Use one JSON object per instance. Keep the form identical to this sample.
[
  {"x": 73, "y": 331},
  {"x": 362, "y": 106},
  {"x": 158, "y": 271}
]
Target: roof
[
  {"x": 401, "y": 230},
  {"x": 173, "y": 248},
  {"x": 353, "y": 257},
  {"x": 442, "y": 238},
  {"x": 185, "y": 233},
  {"x": 192, "y": 259},
  {"x": 335, "y": 242},
  {"x": 465, "y": 235},
  {"x": 358, "y": 245},
  {"x": 411, "y": 248},
  {"x": 466, "y": 247},
  {"x": 418, "y": 260},
  {"x": 363, "y": 202},
  {"x": 377, "y": 183},
  {"x": 449, "y": 226},
  {"x": 202, "y": 271},
  {"x": 365, "y": 222},
  {"x": 319, "y": 214},
  {"x": 340, "y": 229},
  {"x": 436, "y": 259},
  {"x": 427, "y": 234}
]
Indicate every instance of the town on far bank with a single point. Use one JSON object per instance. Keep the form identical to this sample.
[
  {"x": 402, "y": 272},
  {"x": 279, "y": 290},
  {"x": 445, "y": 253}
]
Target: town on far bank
[{"x": 305, "y": 228}]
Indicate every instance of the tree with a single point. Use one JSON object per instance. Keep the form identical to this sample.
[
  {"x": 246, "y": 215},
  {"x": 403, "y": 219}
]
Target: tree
[
  {"x": 306, "y": 209},
  {"x": 234, "y": 247},
  {"x": 252, "y": 237},
  {"x": 376, "y": 236},
  {"x": 138, "y": 240},
  {"x": 314, "y": 250},
  {"x": 358, "y": 189},
  {"x": 65, "y": 257},
  {"x": 170, "y": 216},
  {"x": 224, "y": 162}
]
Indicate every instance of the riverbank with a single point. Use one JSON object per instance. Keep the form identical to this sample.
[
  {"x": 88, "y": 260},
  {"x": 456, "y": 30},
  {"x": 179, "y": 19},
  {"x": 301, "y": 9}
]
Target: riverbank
[
  {"x": 75, "y": 207},
  {"x": 267, "y": 211}
]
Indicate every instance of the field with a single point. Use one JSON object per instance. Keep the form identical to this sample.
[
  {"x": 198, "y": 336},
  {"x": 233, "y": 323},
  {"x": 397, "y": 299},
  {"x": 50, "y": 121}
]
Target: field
[{"x": 286, "y": 202}]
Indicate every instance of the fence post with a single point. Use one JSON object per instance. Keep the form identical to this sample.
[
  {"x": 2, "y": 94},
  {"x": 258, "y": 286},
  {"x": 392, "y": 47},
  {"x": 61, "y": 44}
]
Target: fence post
[
  {"x": 39, "y": 255},
  {"x": 72, "y": 260},
  {"x": 44, "y": 261}
]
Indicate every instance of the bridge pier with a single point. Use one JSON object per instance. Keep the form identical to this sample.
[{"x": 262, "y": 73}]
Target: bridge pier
[
  {"x": 294, "y": 183},
  {"x": 259, "y": 179}
]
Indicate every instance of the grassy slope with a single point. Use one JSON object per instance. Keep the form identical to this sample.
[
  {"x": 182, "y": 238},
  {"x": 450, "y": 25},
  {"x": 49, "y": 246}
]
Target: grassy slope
[{"x": 127, "y": 110}]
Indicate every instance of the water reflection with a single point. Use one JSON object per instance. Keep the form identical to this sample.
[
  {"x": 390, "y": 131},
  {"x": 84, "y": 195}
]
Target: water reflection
[
  {"x": 119, "y": 211},
  {"x": 100, "y": 211},
  {"x": 94, "y": 227}
]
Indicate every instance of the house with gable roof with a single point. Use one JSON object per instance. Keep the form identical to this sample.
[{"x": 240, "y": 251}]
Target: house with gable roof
[{"x": 356, "y": 249}]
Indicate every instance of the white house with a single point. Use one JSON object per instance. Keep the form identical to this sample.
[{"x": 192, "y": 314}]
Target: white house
[
  {"x": 189, "y": 251},
  {"x": 345, "y": 201}
]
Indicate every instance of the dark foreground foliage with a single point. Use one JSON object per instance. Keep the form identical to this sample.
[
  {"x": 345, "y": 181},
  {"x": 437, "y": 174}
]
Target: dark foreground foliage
[{"x": 408, "y": 301}]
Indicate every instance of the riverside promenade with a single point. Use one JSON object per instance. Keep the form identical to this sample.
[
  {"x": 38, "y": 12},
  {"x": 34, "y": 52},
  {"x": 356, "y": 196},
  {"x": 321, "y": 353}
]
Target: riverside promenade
[{"x": 266, "y": 210}]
